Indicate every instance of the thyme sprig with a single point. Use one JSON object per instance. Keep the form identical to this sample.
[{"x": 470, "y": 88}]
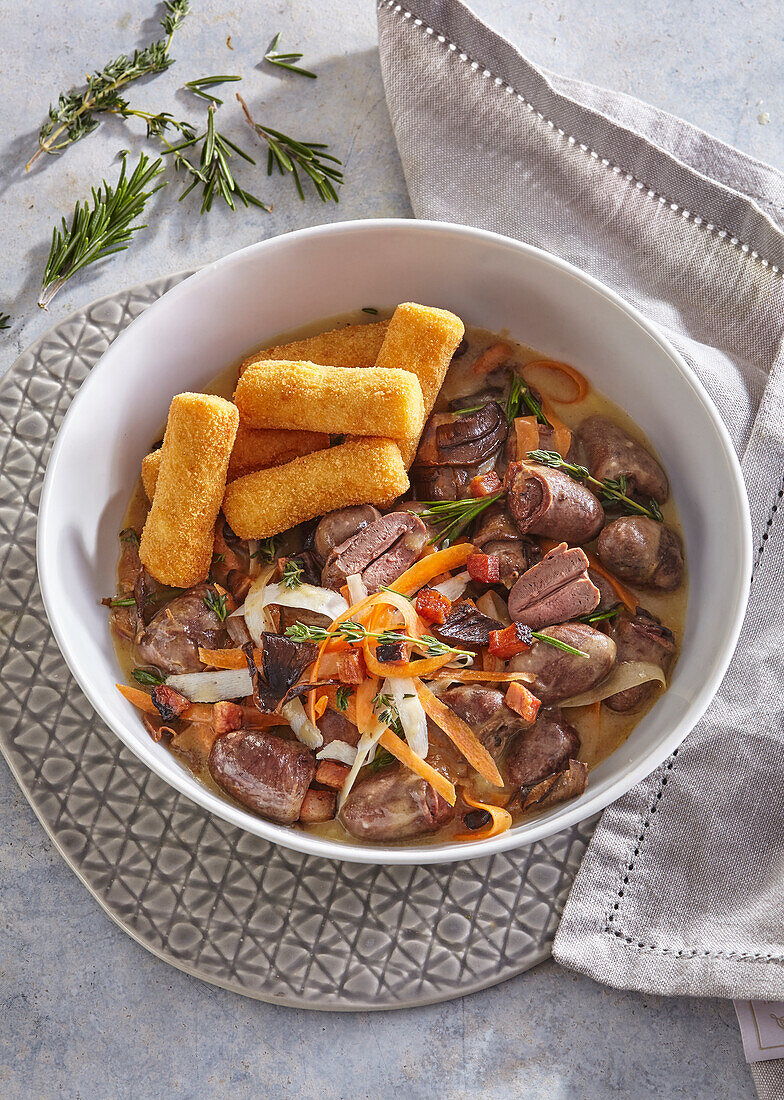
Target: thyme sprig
[
  {"x": 286, "y": 60},
  {"x": 266, "y": 550},
  {"x": 292, "y": 574},
  {"x": 611, "y": 492},
  {"x": 74, "y": 115},
  {"x": 520, "y": 397},
  {"x": 386, "y": 711},
  {"x": 353, "y": 632},
  {"x": 142, "y": 676},
  {"x": 292, "y": 156},
  {"x": 101, "y": 230},
  {"x": 451, "y": 517},
  {"x": 200, "y": 87}
]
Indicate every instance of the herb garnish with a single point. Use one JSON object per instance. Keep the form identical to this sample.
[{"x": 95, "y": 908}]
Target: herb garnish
[
  {"x": 292, "y": 574},
  {"x": 129, "y": 535},
  {"x": 73, "y": 117},
  {"x": 382, "y": 759},
  {"x": 371, "y": 310},
  {"x": 121, "y": 601},
  {"x": 386, "y": 711},
  {"x": 266, "y": 550},
  {"x": 556, "y": 643},
  {"x": 353, "y": 632},
  {"x": 141, "y": 676},
  {"x": 101, "y": 231},
  {"x": 598, "y": 616},
  {"x": 285, "y": 60},
  {"x": 612, "y": 493},
  {"x": 342, "y": 696},
  {"x": 451, "y": 517},
  {"x": 294, "y": 156},
  {"x": 520, "y": 396},
  {"x": 218, "y": 603},
  {"x": 198, "y": 86},
  {"x": 5, "y": 320}
]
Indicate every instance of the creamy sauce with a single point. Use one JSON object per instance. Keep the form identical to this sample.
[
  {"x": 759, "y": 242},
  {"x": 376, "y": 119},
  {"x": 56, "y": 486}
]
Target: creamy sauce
[{"x": 601, "y": 730}]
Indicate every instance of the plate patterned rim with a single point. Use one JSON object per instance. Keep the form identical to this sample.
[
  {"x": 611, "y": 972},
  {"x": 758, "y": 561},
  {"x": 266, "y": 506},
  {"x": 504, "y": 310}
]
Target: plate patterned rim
[{"x": 209, "y": 899}]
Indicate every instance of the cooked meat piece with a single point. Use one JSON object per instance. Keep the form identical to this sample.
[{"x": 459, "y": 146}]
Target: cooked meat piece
[
  {"x": 150, "y": 596},
  {"x": 379, "y": 553},
  {"x": 555, "y": 590},
  {"x": 466, "y": 626},
  {"x": 550, "y": 503},
  {"x": 317, "y": 806},
  {"x": 442, "y": 482},
  {"x": 417, "y": 506},
  {"x": 640, "y": 637},
  {"x": 291, "y": 615},
  {"x": 172, "y": 639},
  {"x": 539, "y": 751},
  {"x": 467, "y": 440},
  {"x": 394, "y": 804},
  {"x": 609, "y": 452},
  {"x": 230, "y": 566},
  {"x": 495, "y": 524},
  {"x": 641, "y": 551},
  {"x": 567, "y": 784},
  {"x": 335, "y": 726},
  {"x": 608, "y": 597},
  {"x": 485, "y": 711},
  {"x": 169, "y": 703},
  {"x": 265, "y": 773},
  {"x": 338, "y": 527},
  {"x": 514, "y": 558},
  {"x": 560, "y": 675}
]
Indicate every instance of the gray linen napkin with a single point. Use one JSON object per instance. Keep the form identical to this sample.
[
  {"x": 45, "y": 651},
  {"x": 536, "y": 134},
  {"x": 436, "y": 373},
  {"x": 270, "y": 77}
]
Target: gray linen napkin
[{"x": 681, "y": 889}]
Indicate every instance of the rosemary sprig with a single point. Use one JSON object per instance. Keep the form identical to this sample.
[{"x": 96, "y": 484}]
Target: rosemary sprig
[
  {"x": 266, "y": 550},
  {"x": 199, "y": 85},
  {"x": 451, "y": 517},
  {"x": 142, "y": 676},
  {"x": 74, "y": 115},
  {"x": 218, "y": 603},
  {"x": 354, "y": 632},
  {"x": 371, "y": 310},
  {"x": 556, "y": 643},
  {"x": 285, "y": 60},
  {"x": 294, "y": 156},
  {"x": 292, "y": 574},
  {"x": 598, "y": 616},
  {"x": 611, "y": 492},
  {"x": 342, "y": 696},
  {"x": 122, "y": 601},
  {"x": 213, "y": 172},
  {"x": 520, "y": 396},
  {"x": 382, "y": 759},
  {"x": 102, "y": 230},
  {"x": 5, "y": 320}
]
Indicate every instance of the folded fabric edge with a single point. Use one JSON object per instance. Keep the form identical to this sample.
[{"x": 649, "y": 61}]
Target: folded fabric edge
[{"x": 734, "y": 213}]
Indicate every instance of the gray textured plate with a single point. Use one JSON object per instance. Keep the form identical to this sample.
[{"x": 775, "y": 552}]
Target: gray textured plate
[{"x": 214, "y": 901}]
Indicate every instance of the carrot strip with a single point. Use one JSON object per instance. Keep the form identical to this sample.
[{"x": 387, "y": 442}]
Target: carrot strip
[
  {"x": 500, "y": 820},
  {"x": 492, "y": 357},
  {"x": 460, "y": 734},
  {"x": 321, "y": 706},
  {"x": 138, "y": 698},
  {"x": 364, "y": 696},
  {"x": 580, "y": 382},
  {"x": 469, "y": 676},
  {"x": 350, "y": 709},
  {"x": 227, "y": 658},
  {"x": 562, "y": 436},
  {"x": 196, "y": 712},
  {"x": 415, "y": 763},
  {"x": 426, "y": 568}
]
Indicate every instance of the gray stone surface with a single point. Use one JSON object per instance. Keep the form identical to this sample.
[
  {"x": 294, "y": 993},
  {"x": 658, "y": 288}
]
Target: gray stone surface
[{"x": 85, "y": 1011}]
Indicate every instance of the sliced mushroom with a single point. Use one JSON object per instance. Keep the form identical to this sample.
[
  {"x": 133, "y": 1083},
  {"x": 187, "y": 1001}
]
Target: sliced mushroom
[
  {"x": 452, "y": 439},
  {"x": 541, "y": 750},
  {"x": 641, "y": 551},
  {"x": 485, "y": 711},
  {"x": 640, "y": 637},
  {"x": 560, "y": 675},
  {"x": 555, "y": 590},
  {"x": 394, "y": 804},
  {"x": 609, "y": 452},
  {"x": 338, "y": 527},
  {"x": 466, "y": 626},
  {"x": 567, "y": 784},
  {"x": 173, "y": 636},
  {"x": 550, "y": 503},
  {"x": 265, "y": 773},
  {"x": 379, "y": 553}
]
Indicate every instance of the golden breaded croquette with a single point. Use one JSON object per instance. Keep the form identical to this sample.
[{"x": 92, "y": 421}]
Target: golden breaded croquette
[
  {"x": 366, "y": 471},
  {"x": 421, "y": 339},
  {"x": 350, "y": 346},
  {"x": 365, "y": 401},
  {"x": 177, "y": 540},
  {"x": 254, "y": 449}
]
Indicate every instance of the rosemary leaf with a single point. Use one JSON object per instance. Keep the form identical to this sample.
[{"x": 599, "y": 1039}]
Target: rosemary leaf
[
  {"x": 199, "y": 85},
  {"x": 286, "y": 60}
]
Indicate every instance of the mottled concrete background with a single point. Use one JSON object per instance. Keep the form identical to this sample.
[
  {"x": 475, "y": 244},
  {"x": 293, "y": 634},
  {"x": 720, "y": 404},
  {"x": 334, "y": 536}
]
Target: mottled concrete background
[{"x": 85, "y": 1011}]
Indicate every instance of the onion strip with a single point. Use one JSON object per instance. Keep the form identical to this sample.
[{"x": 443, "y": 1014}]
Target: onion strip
[
  {"x": 627, "y": 674},
  {"x": 579, "y": 380}
]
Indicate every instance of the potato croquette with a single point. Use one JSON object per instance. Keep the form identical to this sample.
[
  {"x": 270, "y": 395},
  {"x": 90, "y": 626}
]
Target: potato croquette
[
  {"x": 423, "y": 340},
  {"x": 351, "y": 346},
  {"x": 366, "y": 471},
  {"x": 177, "y": 540},
  {"x": 254, "y": 449},
  {"x": 365, "y": 401}
]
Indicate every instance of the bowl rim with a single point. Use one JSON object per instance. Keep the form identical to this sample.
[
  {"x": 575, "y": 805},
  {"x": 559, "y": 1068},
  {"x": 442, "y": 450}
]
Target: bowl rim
[{"x": 537, "y": 829}]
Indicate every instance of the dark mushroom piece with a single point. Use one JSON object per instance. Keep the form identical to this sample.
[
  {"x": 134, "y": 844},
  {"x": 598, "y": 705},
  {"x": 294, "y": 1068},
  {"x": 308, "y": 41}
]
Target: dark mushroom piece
[
  {"x": 486, "y": 712},
  {"x": 569, "y": 783},
  {"x": 641, "y": 551},
  {"x": 173, "y": 636},
  {"x": 550, "y": 503},
  {"x": 560, "y": 675},
  {"x": 379, "y": 553},
  {"x": 541, "y": 750},
  {"x": 394, "y": 804},
  {"x": 451, "y": 439},
  {"x": 265, "y": 773},
  {"x": 443, "y": 482},
  {"x": 640, "y": 637},
  {"x": 555, "y": 590},
  {"x": 339, "y": 526},
  {"x": 466, "y": 626},
  {"x": 609, "y": 453}
]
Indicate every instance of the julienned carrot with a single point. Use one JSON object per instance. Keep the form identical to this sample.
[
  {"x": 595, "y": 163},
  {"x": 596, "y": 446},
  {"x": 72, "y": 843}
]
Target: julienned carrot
[
  {"x": 580, "y": 382},
  {"x": 321, "y": 706},
  {"x": 469, "y": 676},
  {"x": 460, "y": 734},
  {"x": 500, "y": 820},
  {"x": 426, "y": 568},
  {"x": 400, "y": 750},
  {"x": 349, "y": 710},
  {"x": 139, "y": 699},
  {"x": 227, "y": 658},
  {"x": 424, "y": 667},
  {"x": 196, "y": 712}
]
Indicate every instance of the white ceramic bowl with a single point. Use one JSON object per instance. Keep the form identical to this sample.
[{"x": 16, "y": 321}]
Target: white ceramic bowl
[{"x": 236, "y": 305}]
